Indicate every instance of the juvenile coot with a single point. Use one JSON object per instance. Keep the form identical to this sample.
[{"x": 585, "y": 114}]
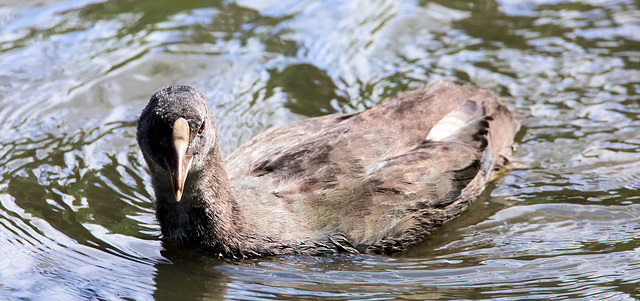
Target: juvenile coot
[{"x": 377, "y": 181}]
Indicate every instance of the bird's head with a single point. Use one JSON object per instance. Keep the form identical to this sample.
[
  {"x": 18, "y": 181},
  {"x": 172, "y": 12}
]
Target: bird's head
[{"x": 176, "y": 132}]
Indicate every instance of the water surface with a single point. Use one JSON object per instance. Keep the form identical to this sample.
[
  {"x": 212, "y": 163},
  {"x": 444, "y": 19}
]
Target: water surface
[{"x": 76, "y": 207}]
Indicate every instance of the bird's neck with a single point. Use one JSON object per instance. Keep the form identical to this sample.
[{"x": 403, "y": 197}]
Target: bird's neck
[{"x": 208, "y": 215}]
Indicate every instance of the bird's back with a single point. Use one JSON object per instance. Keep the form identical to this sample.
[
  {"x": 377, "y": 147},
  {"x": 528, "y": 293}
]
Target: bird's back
[{"x": 379, "y": 180}]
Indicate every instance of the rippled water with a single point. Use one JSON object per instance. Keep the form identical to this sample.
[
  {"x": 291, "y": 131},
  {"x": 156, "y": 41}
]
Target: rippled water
[{"x": 76, "y": 209}]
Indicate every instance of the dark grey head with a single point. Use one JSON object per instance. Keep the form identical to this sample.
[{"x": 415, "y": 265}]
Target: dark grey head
[{"x": 176, "y": 132}]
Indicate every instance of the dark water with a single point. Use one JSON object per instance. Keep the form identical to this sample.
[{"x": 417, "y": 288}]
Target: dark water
[{"x": 76, "y": 209}]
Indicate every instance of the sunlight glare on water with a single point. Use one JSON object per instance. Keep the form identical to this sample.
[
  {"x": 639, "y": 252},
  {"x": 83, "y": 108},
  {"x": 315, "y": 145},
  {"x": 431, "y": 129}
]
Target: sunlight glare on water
[{"x": 76, "y": 207}]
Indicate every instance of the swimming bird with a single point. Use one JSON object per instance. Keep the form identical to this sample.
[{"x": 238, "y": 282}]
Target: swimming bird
[{"x": 378, "y": 181}]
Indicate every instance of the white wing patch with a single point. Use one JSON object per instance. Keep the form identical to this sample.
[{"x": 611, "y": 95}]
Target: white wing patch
[{"x": 453, "y": 122}]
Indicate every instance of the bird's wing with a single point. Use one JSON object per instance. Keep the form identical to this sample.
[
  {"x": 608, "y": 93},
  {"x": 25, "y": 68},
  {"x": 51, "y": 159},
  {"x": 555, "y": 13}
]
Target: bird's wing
[
  {"x": 275, "y": 141},
  {"x": 381, "y": 176}
]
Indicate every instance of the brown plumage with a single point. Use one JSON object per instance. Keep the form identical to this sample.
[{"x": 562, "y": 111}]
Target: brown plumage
[{"x": 378, "y": 181}]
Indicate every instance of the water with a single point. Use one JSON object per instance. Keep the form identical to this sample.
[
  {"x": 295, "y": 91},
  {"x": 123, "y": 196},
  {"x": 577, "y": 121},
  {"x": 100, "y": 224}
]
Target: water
[{"x": 76, "y": 208}]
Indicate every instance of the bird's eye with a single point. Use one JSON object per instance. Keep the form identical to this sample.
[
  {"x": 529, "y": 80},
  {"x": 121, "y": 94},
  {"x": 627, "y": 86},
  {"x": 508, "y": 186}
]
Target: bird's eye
[{"x": 201, "y": 129}]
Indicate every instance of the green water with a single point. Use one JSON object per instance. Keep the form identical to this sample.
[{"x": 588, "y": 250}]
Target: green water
[{"x": 76, "y": 208}]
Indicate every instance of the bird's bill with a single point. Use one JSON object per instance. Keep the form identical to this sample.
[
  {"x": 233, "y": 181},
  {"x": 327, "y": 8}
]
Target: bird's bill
[{"x": 180, "y": 164}]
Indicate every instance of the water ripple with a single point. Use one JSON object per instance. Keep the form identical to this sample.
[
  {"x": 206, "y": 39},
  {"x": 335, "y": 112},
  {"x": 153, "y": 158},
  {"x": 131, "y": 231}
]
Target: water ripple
[{"x": 76, "y": 209}]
